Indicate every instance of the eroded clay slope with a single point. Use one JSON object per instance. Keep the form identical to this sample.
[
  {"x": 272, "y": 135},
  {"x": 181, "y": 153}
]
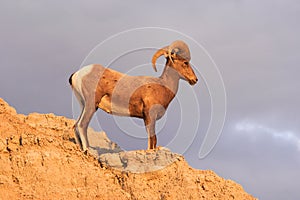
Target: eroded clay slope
[{"x": 39, "y": 160}]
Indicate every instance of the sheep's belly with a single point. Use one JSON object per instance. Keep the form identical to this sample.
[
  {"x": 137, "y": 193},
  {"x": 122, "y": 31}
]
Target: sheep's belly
[{"x": 113, "y": 108}]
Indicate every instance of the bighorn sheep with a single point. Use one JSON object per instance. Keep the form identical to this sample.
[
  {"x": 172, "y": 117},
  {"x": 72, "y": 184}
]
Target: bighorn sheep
[{"x": 136, "y": 96}]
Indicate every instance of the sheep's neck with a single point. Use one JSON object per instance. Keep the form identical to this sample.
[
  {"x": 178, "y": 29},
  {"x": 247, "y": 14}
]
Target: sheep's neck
[{"x": 170, "y": 78}]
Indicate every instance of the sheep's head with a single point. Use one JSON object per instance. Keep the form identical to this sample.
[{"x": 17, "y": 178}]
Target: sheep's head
[{"x": 178, "y": 55}]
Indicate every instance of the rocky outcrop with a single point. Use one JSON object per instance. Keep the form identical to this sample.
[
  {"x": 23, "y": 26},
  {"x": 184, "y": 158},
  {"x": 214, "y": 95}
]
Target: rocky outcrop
[
  {"x": 139, "y": 161},
  {"x": 40, "y": 160}
]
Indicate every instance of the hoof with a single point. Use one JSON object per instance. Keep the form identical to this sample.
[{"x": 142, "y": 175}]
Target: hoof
[{"x": 85, "y": 150}]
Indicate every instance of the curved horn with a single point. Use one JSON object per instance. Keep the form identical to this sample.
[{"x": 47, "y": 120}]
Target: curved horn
[
  {"x": 180, "y": 49},
  {"x": 170, "y": 51},
  {"x": 160, "y": 52}
]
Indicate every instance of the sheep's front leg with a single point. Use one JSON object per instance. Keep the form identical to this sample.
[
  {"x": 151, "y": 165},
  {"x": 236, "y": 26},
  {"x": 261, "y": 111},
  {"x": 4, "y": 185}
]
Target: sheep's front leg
[{"x": 150, "y": 127}]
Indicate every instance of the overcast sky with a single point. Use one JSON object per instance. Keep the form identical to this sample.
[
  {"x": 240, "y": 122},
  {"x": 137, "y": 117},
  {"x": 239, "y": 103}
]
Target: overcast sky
[{"x": 255, "y": 45}]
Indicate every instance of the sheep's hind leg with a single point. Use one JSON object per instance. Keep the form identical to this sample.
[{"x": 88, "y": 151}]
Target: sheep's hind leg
[
  {"x": 77, "y": 135},
  {"x": 83, "y": 124},
  {"x": 75, "y": 127}
]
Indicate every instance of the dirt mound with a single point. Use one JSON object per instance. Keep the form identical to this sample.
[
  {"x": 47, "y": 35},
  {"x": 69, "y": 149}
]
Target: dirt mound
[{"x": 39, "y": 160}]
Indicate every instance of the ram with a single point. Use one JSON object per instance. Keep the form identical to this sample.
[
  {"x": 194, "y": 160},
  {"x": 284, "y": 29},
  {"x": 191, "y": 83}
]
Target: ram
[{"x": 143, "y": 97}]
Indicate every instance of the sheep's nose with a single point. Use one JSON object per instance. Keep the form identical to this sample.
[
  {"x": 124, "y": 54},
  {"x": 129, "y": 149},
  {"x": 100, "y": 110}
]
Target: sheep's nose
[{"x": 193, "y": 81}]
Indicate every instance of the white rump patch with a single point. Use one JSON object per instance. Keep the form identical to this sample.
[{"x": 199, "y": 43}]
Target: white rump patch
[{"x": 77, "y": 77}]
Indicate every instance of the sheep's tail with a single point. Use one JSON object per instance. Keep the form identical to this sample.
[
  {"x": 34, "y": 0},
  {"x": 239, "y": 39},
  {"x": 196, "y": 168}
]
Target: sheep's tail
[{"x": 70, "y": 79}]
